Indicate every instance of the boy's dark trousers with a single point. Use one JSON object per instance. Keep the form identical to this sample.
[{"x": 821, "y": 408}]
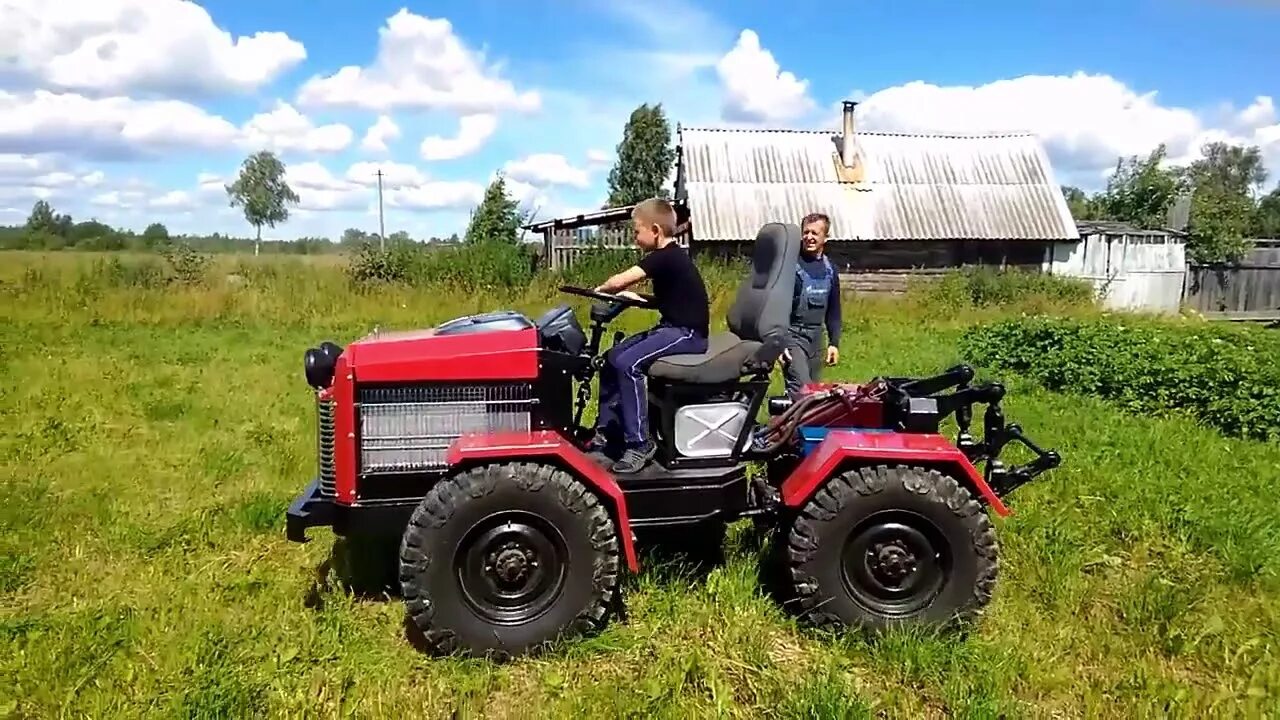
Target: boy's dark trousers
[{"x": 624, "y": 392}]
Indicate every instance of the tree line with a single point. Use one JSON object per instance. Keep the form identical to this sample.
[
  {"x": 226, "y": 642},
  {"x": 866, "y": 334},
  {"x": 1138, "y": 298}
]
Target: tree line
[{"x": 1216, "y": 199}]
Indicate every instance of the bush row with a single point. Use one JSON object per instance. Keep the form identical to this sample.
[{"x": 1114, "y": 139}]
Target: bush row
[
  {"x": 985, "y": 286},
  {"x": 1226, "y": 377}
]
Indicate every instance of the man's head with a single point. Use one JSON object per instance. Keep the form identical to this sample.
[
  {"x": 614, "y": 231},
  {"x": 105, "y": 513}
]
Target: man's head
[
  {"x": 655, "y": 223},
  {"x": 813, "y": 233}
]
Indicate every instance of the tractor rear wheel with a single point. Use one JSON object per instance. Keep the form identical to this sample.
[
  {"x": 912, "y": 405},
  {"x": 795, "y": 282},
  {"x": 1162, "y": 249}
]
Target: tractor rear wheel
[
  {"x": 886, "y": 545},
  {"x": 501, "y": 559}
]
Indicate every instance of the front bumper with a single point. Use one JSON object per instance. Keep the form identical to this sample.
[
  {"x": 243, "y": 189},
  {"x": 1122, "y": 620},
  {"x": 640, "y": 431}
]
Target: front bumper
[{"x": 310, "y": 509}]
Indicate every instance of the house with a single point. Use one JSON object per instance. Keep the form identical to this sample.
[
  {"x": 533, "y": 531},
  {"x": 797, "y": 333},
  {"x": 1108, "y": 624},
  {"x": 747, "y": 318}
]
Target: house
[{"x": 899, "y": 203}]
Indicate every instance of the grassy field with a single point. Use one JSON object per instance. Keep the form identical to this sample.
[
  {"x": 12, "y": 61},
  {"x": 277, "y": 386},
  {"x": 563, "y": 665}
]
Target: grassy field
[{"x": 153, "y": 437}]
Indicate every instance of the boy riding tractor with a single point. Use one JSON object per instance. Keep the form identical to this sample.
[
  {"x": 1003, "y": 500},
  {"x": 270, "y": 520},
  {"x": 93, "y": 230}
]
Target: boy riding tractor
[{"x": 464, "y": 441}]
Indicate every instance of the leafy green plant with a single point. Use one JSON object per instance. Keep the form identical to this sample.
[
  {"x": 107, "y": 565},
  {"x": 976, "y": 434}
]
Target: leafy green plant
[
  {"x": 187, "y": 267},
  {"x": 990, "y": 287},
  {"x": 1226, "y": 377}
]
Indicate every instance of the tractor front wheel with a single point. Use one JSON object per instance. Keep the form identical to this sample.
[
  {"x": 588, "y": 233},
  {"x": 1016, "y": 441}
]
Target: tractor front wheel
[
  {"x": 880, "y": 546},
  {"x": 502, "y": 559}
]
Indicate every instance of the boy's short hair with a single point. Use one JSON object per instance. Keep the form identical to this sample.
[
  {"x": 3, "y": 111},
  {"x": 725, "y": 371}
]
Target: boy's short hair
[
  {"x": 659, "y": 212},
  {"x": 817, "y": 217}
]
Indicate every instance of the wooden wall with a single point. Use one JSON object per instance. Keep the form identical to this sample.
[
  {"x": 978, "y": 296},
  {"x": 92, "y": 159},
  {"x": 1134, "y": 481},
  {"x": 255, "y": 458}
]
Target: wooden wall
[{"x": 1249, "y": 289}]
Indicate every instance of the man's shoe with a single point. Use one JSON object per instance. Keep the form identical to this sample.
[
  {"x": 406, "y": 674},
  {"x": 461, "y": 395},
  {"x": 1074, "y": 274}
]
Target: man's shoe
[{"x": 635, "y": 458}]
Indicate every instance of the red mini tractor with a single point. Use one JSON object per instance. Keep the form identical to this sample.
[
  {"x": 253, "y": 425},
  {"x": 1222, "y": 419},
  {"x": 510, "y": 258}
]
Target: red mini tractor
[{"x": 465, "y": 442}]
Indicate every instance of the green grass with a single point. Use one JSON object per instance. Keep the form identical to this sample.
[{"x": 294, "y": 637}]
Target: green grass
[{"x": 152, "y": 438}]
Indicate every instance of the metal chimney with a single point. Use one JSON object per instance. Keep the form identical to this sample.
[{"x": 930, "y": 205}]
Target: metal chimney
[{"x": 847, "y": 138}]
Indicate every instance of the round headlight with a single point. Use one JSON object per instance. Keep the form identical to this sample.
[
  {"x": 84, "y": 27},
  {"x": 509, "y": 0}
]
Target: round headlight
[{"x": 319, "y": 364}]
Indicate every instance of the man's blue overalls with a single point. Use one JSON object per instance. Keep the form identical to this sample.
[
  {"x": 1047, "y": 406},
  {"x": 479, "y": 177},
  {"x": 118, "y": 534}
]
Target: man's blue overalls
[{"x": 808, "y": 316}]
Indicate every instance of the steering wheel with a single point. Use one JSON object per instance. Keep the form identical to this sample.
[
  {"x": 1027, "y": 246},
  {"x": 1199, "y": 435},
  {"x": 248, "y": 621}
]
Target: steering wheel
[{"x": 603, "y": 297}]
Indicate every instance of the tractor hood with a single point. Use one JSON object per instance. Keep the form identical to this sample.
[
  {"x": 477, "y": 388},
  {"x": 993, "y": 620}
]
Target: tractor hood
[{"x": 491, "y": 346}]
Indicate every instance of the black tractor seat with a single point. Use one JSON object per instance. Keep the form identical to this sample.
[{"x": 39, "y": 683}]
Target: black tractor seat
[
  {"x": 758, "y": 319},
  {"x": 723, "y": 361}
]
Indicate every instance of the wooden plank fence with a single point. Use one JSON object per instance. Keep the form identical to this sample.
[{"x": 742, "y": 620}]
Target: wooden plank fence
[
  {"x": 1249, "y": 289},
  {"x": 567, "y": 245}
]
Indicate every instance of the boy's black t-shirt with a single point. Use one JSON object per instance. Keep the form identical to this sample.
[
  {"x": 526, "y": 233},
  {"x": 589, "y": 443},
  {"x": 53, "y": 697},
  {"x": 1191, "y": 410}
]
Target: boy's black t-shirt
[{"x": 678, "y": 290}]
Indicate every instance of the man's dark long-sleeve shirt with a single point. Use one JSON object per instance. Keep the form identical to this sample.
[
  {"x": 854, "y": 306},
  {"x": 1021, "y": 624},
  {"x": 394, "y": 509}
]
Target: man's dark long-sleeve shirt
[{"x": 815, "y": 268}]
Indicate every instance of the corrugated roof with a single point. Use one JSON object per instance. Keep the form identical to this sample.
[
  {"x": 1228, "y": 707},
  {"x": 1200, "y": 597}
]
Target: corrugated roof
[{"x": 914, "y": 187}]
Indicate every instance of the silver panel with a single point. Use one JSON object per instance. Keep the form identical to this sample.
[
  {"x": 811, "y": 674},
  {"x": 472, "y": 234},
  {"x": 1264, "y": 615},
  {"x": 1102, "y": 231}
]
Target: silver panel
[{"x": 709, "y": 430}]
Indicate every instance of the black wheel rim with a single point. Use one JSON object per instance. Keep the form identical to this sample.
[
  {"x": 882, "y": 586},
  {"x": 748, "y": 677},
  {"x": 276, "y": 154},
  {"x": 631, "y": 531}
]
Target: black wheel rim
[
  {"x": 895, "y": 563},
  {"x": 511, "y": 567}
]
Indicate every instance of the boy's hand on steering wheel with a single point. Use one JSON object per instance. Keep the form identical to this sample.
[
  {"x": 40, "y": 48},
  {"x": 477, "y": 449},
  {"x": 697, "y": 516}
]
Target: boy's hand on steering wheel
[{"x": 629, "y": 295}]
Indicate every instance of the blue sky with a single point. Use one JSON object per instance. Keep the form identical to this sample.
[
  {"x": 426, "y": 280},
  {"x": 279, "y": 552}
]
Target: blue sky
[{"x": 137, "y": 110}]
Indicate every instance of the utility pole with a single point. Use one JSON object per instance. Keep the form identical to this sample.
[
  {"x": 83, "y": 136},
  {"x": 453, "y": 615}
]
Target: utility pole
[{"x": 382, "y": 230}]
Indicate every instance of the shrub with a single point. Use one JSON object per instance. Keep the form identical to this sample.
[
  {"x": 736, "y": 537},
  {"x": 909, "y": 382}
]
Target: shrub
[
  {"x": 397, "y": 264},
  {"x": 1226, "y": 377},
  {"x": 187, "y": 267},
  {"x": 146, "y": 273},
  {"x": 986, "y": 286},
  {"x": 479, "y": 266}
]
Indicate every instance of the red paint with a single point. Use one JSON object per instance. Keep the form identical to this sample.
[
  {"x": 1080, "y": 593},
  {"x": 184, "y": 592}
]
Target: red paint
[
  {"x": 840, "y": 445},
  {"x": 343, "y": 392},
  {"x": 422, "y": 355},
  {"x": 545, "y": 443}
]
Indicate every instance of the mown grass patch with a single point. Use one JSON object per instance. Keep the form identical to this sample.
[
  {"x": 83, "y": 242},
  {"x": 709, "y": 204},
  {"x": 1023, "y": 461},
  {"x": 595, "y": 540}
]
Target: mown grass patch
[{"x": 154, "y": 438}]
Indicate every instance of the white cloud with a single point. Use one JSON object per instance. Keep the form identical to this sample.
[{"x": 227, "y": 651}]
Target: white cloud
[
  {"x": 543, "y": 169},
  {"x": 382, "y": 131},
  {"x": 598, "y": 158},
  {"x": 284, "y": 129},
  {"x": 404, "y": 186},
  {"x": 421, "y": 64},
  {"x": 394, "y": 175},
  {"x": 318, "y": 189},
  {"x": 127, "y": 46},
  {"x": 122, "y": 127},
  {"x": 756, "y": 90},
  {"x": 174, "y": 200},
  {"x": 1085, "y": 121},
  {"x": 473, "y": 131},
  {"x": 440, "y": 195},
  {"x": 106, "y": 127}
]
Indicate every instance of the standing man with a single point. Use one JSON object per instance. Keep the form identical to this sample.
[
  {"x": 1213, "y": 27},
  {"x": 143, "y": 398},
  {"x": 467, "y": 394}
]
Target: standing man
[{"x": 816, "y": 302}]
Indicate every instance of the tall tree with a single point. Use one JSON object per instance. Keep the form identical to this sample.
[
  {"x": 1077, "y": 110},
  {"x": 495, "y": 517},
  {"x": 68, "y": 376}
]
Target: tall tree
[
  {"x": 1223, "y": 180},
  {"x": 156, "y": 234},
  {"x": 497, "y": 218},
  {"x": 42, "y": 219},
  {"x": 1234, "y": 168},
  {"x": 1141, "y": 190},
  {"x": 1266, "y": 219},
  {"x": 262, "y": 191},
  {"x": 1082, "y": 206},
  {"x": 645, "y": 157}
]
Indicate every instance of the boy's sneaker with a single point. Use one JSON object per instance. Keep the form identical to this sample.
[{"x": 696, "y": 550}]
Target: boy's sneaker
[
  {"x": 597, "y": 449},
  {"x": 635, "y": 458}
]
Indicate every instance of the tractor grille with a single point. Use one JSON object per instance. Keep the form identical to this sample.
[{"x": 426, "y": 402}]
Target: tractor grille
[
  {"x": 409, "y": 429},
  {"x": 324, "y": 446}
]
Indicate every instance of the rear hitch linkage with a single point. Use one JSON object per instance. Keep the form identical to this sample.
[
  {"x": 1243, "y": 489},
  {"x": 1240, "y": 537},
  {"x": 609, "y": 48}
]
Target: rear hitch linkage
[{"x": 996, "y": 433}]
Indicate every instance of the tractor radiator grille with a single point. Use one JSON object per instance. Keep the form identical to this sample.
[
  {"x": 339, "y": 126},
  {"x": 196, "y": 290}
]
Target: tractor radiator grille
[
  {"x": 409, "y": 429},
  {"x": 324, "y": 446}
]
